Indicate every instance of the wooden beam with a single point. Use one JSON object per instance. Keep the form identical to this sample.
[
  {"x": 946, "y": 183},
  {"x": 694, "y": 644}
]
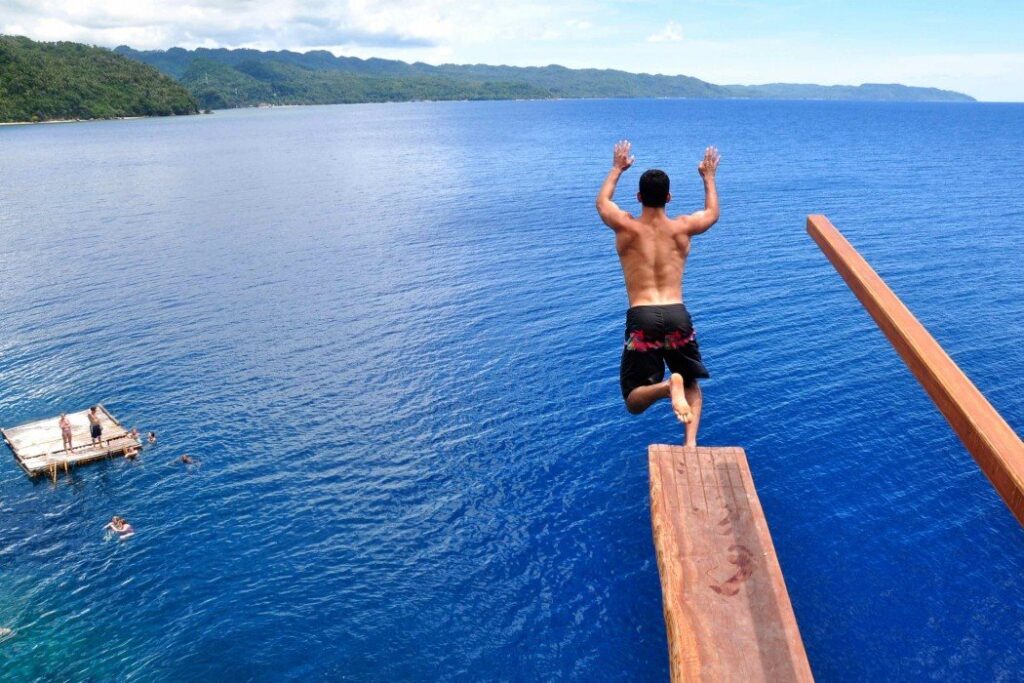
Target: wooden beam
[
  {"x": 995, "y": 446},
  {"x": 727, "y": 612}
]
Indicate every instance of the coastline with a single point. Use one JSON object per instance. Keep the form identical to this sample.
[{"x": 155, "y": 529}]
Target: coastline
[
  {"x": 108, "y": 118},
  {"x": 33, "y": 123}
]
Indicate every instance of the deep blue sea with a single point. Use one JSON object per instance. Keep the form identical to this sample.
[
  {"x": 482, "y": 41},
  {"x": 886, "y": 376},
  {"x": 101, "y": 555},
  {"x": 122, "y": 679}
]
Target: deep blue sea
[{"x": 391, "y": 335}]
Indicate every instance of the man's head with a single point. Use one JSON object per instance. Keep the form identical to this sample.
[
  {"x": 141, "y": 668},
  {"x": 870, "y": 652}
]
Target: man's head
[{"x": 654, "y": 189}]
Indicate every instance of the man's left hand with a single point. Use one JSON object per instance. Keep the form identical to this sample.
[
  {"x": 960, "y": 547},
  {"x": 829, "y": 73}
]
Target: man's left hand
[{"x": 621, "y": 158}]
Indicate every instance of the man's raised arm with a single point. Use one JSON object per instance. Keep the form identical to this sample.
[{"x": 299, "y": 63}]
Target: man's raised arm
[
  {"x": 609, "y": 211},
  {"x": 700, "y": 221}
]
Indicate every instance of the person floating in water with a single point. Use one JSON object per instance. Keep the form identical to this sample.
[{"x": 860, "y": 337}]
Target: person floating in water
[
  {"x": 186, "y": 459},
  {"x": 65, "y": 431},
  {"x": 119, "y": 525},
  {"x": 652, "y": 250},
  {"x": 95, "y": 428},
  {"x": 151, "y": 438},
  {"x": 132, "y": 450}
]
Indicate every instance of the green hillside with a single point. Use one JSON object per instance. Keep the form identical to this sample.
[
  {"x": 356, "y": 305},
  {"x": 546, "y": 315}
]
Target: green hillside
[
  {"x": 245, "y": 77},
  {"x": 48, "y": 81},
  {"x": 217, "y": 85},
  {"x": 873, "y": 92}
]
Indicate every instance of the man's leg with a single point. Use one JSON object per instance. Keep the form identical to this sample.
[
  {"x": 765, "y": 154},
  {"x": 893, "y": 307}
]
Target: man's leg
[
  {"x": 695, "y": 398},
  {"x": 642, "y": 398}
]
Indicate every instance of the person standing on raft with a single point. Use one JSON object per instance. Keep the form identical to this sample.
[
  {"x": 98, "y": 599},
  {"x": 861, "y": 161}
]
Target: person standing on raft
[
  {"x": 652, "y": 249},
  {"x": 95, "y": 426},
  {"x": 65, "y": 431}
]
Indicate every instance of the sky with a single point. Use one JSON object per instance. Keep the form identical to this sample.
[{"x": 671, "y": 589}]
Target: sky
[{"x": 976, "y": 47}]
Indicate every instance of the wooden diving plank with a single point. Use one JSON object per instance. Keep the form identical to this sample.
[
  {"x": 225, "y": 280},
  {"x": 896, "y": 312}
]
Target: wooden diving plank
[
  {"x": 996, "y": 448},
  {"x": 727, "y": 612}
]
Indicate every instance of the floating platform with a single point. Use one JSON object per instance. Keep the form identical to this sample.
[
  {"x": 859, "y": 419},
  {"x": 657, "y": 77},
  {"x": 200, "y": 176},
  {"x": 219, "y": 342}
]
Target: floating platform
[
  {"x": 39, "y": 448},
  {"x": 727, "y": 612}
]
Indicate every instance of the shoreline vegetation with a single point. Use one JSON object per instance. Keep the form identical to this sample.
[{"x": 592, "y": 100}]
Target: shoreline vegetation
[
  {"x": 68, "y": 82},
  {"x": 221, "y": 78},
  {"x": 45, "y": 121}
]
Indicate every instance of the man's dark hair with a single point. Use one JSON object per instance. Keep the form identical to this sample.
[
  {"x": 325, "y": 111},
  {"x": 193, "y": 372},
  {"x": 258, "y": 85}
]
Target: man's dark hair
[{"x": 654, "y": 188}]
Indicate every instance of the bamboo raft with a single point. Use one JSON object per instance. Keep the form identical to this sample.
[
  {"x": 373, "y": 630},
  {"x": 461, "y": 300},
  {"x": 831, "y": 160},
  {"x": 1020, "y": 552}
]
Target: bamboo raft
[{"x": 39, "y": 448}]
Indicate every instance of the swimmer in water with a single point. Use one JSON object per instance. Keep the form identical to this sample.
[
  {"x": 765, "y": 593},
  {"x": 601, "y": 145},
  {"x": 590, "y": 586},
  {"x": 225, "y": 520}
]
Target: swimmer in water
[
  {"x": 151, "y": 438},
  {"x": 186, "y": 459},
  {"x": 119, "y": 525}
]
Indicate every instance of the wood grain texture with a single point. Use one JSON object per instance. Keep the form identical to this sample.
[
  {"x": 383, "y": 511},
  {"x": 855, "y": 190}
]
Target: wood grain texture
[
  {"x": 995, "y": 446},
  {"x": 727, "y": 612}
]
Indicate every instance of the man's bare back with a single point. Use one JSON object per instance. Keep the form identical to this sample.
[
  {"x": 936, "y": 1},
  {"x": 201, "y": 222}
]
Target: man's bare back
[{"x": 652, "y": 249}]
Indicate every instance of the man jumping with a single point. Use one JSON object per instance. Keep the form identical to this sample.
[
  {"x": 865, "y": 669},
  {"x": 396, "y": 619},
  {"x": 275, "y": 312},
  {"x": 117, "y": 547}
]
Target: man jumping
[{"x": 652, "y": 250}]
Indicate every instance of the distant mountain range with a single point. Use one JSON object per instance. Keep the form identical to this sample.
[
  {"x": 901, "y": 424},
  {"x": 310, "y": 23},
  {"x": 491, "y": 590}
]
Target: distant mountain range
[
  {"x": 48, "y": 81},
  {"x": 221, "y": 78}
]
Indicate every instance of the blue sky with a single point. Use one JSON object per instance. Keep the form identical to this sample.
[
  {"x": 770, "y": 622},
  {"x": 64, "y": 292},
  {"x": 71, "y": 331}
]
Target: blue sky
[{"x": 974, "y": 47}]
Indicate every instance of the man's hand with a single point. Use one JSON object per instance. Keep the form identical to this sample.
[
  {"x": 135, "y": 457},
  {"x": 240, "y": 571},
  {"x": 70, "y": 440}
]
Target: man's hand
[
  {"x": 709, "y": 164},
  {"x": 612, "y": 215},
  {"x": 700, "y": 221},
  {"x": 621, "y": 158}
]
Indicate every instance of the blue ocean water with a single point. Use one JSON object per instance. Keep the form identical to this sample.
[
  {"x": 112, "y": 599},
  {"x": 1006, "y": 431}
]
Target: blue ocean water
[{"x": 390, "y": 333}]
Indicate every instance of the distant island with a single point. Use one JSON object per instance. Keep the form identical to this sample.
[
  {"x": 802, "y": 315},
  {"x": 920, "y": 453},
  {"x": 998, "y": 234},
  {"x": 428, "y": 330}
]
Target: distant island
[
  {"x": 222, "y": 78},
  {"x": 70, "y": 81}
]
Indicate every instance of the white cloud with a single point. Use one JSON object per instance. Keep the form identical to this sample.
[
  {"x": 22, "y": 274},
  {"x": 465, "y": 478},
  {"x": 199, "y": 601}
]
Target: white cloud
[
  {"x": 672, "y": 33},
  {"x": 290, "y": 24},
  {"x": 531, "y": 32}
]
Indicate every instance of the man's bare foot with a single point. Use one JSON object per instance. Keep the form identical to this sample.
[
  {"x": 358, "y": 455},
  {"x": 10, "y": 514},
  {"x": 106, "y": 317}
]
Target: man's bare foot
[{"x": 679, "y": 404}]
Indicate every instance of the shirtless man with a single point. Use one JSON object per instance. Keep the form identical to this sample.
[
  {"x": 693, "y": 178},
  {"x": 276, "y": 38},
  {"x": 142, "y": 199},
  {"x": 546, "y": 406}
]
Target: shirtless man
[
  {"x": 95, "y": 426},
  {"x": 652, "y": 250},
  {"x": 65, "y": 431}
]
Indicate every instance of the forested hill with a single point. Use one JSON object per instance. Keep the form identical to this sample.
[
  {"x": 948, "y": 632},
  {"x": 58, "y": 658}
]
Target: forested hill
[
  {"x": 243, "y": 77},
  {"x": 48, "y": 81},
  {"x": 873, "y": 92}
]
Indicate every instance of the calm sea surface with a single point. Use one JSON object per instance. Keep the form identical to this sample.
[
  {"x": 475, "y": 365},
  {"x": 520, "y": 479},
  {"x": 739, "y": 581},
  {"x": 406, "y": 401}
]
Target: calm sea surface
[{"x": 391, "y": 333}]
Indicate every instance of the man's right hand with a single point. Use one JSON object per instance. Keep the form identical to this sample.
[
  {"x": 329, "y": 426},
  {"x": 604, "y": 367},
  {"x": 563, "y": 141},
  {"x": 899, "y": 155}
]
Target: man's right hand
[
  {"x": 709, "y": 164},
  {"x": 621, "y": 158}
]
